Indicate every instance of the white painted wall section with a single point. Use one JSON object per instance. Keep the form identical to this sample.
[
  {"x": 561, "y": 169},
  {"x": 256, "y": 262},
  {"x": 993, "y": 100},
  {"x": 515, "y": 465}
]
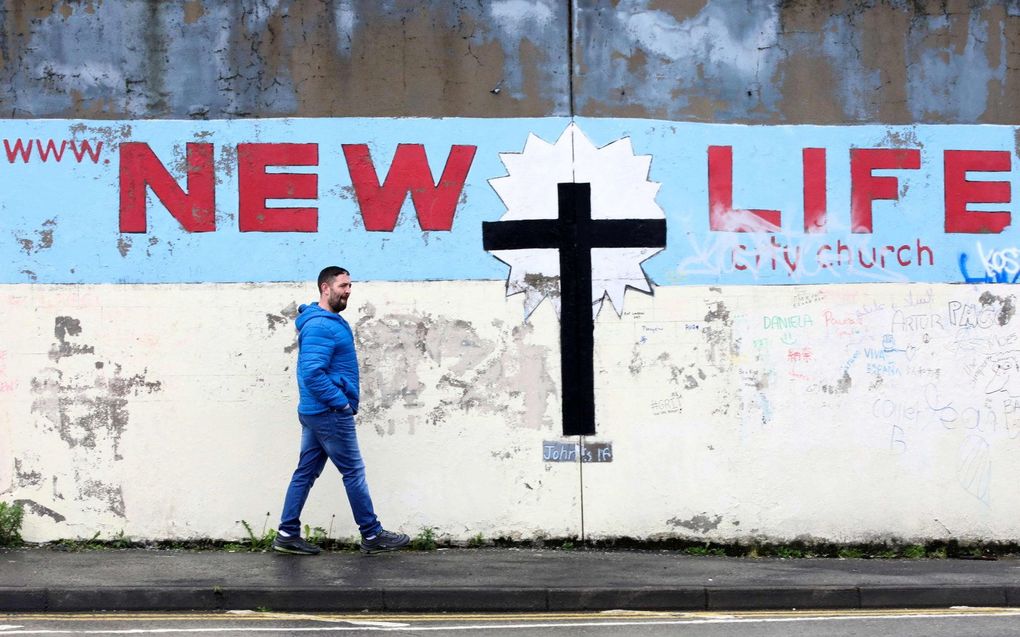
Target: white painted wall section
[{"x": 838, "y": 413}]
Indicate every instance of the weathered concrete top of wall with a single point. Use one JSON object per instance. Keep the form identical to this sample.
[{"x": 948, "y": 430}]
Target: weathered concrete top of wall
[
  {"x": 277, "y": 58},
  {"x": 800, "y": 61},
  {"x": 769, "y": 61}
]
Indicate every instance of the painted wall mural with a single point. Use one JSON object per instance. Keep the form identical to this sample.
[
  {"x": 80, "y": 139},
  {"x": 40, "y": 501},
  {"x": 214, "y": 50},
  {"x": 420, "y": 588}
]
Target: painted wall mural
[
  {"x": 679, "y": 275},
  {"x": 406, "y": 199},
  {"x": 580, "y": 210}
]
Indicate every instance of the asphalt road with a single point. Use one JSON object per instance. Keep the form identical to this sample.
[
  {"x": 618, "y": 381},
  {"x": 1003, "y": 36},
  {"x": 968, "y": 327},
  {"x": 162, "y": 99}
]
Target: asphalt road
[{"x": 962, "y": 622}]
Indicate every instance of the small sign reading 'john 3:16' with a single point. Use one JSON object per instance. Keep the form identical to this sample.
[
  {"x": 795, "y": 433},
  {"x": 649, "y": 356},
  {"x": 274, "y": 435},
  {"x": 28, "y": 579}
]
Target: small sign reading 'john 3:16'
[{"x": 555, "y": 451}]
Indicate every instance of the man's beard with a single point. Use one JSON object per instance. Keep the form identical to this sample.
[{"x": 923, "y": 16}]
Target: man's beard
[{"x": 338, "y": 305}]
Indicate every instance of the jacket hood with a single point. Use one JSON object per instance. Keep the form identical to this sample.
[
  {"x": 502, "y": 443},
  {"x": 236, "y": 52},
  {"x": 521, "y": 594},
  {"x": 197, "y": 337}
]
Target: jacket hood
[{"x": 310, "y": 311}]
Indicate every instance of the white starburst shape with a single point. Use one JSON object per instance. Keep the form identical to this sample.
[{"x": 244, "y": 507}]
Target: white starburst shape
[{"x": 620, "y": 189}]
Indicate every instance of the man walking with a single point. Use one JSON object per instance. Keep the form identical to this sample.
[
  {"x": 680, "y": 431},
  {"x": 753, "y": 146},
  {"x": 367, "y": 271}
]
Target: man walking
[{"x": 327, "y": 373}]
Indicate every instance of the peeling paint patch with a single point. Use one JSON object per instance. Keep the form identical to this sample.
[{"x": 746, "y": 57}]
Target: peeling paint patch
[
  {"x": 842, "y": 386},
  {"x": 25, "y": 478},
  {"x": 67, "y": 326},
  {"x": 635, "y": 362},
  {"x": 1007, "y": 305},
  {"x": 476, "y": 374},
  {"x": 544, "y": 285},
  {"x": 111, "y": 135},
  {"x": 124, "y": 245},
  {"x": 43, "y": 241},
  {"x": 718, "y": 313},
  {"x": 227, "y": 160},
  {"x": 718, "y": 334},
  {"x": 37, "y": 509},
  {"x": 290, "y": 311},
  {"x": 110, "y": 497},
  {"x": 699, "y": 523},
  {"x": 901, "y": 138},
  {"x": 273, "y": 321},
  {"x": 88, "y": 410}
]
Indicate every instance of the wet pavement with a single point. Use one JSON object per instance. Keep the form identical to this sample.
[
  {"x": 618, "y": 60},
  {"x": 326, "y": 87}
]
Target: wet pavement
[{"x": 521, "y": 580}]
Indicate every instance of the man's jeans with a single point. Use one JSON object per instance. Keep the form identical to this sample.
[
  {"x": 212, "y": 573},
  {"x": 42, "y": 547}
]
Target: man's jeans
[{"x": 330, "y": 434}]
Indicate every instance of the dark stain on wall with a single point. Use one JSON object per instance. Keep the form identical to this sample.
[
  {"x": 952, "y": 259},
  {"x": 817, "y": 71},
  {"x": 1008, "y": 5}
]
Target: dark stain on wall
[
  {"x": 23, "y": 478},
  {"x": 841, "y": 386},
  {"x": 88, "y": 411},
  {"x": 104, "y": 496},
  {"x": 400, "y": 351},
  {"x": 718, "y": 334},
  {"x": 37, "y": 509},
  {"x": 699, "y": 523},
  {"x": 273, "y": 321},
  {"x": 87, "y": 407},
  {"x": 67, "y": 326},
  {"x": 285, "y": 316},
  {"x": 1007, "y": 306},
  {"x": 43, "y": 240}
]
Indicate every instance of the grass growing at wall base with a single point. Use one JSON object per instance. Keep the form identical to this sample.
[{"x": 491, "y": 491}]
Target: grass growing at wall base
[
  {"x": 936, "y": 549},
  {"x": 11, "y": 517},
  {"x": 429, "y": 539}
]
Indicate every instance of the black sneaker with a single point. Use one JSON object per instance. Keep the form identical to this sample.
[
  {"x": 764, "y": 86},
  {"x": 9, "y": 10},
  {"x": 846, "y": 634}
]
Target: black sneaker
[
  {"x": 385, "y": 541},
  {"x": 294, "y": 545}
]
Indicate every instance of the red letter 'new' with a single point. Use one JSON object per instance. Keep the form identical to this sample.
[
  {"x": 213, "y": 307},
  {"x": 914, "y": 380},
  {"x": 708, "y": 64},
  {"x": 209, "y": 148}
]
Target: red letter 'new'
[
  {"x": 255, "y": 185},
  {"x": 721, "y": 214},
  {"x": 960, "y": 191},
  {"x": 865, "y": 187},
  {"x": 140, "y": 168},
  {"x": 434, "y": 203}
]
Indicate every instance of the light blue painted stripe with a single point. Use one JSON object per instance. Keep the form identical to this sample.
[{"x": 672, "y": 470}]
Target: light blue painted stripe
[{"x": 59, "y": 221}]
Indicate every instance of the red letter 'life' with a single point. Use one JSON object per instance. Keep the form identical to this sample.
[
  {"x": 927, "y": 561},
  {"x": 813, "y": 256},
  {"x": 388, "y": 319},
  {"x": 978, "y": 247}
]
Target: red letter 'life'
[
  {"x": 140, "y": 168},
  {"x": 960, "y": 191},
  {"x": 435, "y": 204},
  {"x": 721, "y": 214},
  {"x": 865, "y": 187},
  {"x": 815, "y": 205}
]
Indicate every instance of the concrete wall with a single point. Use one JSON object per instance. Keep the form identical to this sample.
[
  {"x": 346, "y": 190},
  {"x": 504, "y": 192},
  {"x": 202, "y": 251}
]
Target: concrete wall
[
  {"x": 146, "y": 374},
  {"x": 168, "y": 412},
  {"x": 789, "y": 61}
]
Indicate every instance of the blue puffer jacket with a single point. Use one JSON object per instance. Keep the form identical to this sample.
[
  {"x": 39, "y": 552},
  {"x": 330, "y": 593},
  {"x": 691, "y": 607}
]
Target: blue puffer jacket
[{"x": 327, "y": 369}]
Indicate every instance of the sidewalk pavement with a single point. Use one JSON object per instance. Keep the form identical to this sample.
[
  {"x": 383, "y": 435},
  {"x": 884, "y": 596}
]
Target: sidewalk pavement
[{"x": 493, "y": 580}]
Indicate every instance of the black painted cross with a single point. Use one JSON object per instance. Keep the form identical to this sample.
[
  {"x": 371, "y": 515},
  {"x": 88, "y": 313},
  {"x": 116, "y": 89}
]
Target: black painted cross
[{"x": 574, "y": 233}]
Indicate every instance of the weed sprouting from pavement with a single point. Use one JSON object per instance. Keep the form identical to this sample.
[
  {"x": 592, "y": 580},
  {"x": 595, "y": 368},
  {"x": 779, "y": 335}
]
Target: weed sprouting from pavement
[
  {"x": 476, "y": 542},
  {"x": 256, "y": 542},
  {"x": 425, "y": 540}
]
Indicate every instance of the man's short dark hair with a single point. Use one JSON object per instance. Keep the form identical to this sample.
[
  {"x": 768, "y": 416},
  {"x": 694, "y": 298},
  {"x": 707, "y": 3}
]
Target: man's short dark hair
[{"x": 328, "y": 274}]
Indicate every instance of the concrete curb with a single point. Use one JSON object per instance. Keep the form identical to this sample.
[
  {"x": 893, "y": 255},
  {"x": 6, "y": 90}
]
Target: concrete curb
[{"x": 499, "y": 599}]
